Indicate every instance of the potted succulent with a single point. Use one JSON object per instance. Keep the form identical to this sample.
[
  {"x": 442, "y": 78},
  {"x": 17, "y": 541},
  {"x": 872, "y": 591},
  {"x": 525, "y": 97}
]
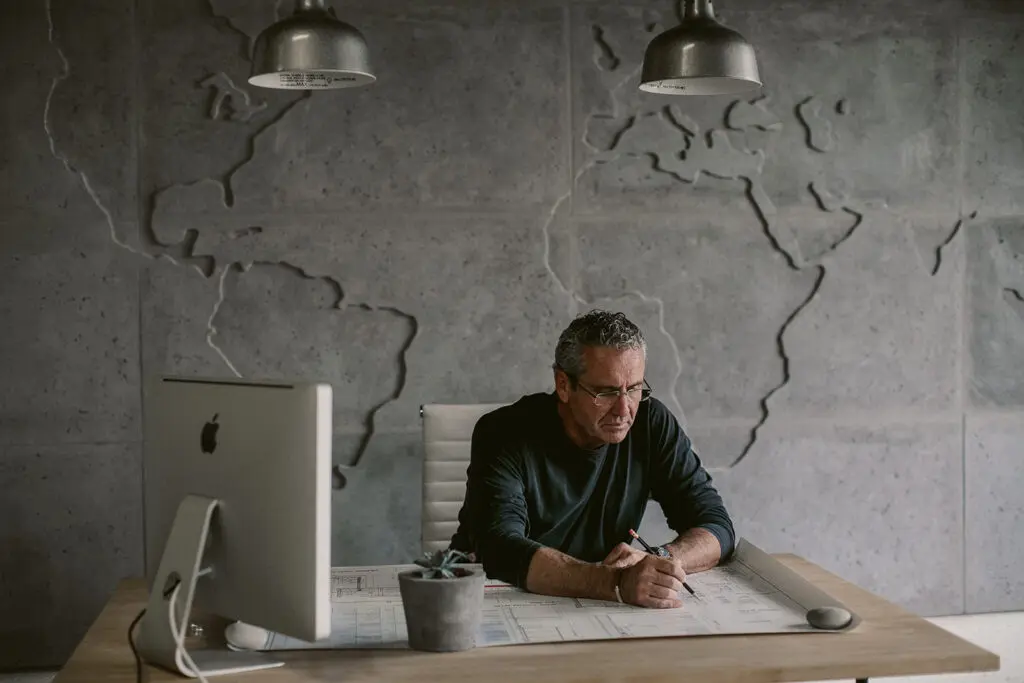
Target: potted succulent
[{"x": 442, "y": 602}]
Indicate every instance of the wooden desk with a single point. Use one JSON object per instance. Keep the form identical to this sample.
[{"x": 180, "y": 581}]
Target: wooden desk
[{"x": 889, "y": 642}]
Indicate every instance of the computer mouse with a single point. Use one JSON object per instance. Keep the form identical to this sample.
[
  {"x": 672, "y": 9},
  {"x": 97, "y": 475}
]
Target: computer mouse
[
  {"x": 829, "y": 618},
  {"x": 242, "y": 636}
]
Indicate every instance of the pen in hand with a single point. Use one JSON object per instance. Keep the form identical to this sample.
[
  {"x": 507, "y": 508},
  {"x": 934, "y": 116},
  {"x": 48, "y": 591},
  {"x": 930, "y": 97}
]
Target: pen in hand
[{"x": 662, "y": 553}]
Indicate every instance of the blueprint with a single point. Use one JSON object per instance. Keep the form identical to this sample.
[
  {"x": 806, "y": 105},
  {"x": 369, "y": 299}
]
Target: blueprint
[{"x": 752, "y": 593}]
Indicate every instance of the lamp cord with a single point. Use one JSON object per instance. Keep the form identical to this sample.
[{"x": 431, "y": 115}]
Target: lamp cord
[{"x": 171, "y": 593}]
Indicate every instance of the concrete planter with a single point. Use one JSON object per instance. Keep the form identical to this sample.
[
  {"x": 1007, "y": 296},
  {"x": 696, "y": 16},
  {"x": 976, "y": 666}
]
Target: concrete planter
[{"x": 442, "y": 615}]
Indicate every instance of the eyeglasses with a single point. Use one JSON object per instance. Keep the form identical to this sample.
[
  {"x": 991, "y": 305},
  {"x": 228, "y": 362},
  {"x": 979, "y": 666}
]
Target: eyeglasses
[{"x": 606, "y": 399}]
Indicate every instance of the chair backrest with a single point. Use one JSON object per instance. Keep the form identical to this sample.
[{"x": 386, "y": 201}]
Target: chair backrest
[{"x": 447, "y": 436}]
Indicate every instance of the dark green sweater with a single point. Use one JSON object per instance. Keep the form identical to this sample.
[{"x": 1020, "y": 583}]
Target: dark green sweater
[{"x": 529, "y": 486}]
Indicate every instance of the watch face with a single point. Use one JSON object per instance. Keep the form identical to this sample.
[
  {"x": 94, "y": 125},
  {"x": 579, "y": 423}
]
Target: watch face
[{"x": 662, "y": 552}]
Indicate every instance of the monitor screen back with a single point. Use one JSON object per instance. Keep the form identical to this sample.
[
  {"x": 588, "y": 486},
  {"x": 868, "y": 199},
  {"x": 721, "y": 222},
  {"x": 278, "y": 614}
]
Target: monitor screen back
[{"x": 263, "y": 451}]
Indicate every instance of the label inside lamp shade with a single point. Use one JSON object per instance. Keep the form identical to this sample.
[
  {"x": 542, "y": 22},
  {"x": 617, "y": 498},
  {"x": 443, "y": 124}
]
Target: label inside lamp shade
[
  {"x": 700, "y": 85},
  {"x": 311, "y": 80}
]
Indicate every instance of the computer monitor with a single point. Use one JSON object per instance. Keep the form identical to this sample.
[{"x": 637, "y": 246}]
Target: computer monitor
[{"x": 237, "y": 514}]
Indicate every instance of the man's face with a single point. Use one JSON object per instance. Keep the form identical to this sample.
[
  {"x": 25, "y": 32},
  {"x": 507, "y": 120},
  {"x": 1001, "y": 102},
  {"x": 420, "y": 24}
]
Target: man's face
[{"x": 609, "y": 421}]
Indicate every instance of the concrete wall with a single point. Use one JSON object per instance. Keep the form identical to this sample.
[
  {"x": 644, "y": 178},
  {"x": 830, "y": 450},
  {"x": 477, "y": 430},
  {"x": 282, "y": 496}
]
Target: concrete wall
[{"x": 831, "y": 276}]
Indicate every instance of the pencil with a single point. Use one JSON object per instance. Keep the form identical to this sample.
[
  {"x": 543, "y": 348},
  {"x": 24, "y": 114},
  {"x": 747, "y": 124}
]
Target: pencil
[{"x": 652, "y": 551}]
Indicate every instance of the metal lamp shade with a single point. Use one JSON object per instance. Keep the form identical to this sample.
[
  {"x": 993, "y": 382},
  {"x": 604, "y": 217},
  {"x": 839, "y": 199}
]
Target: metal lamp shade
[
  {"x": 311, "y": 50},
  {"x": 699, "y": 57}
]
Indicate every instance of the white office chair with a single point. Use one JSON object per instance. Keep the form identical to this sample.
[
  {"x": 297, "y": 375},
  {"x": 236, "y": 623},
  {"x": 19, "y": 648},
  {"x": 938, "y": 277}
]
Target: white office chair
[{"x": 447, "y": 434}]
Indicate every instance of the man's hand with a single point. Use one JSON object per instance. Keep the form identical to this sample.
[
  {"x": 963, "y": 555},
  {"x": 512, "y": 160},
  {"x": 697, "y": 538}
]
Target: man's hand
[
  {"x": 624, "y": 555},
  {"x": 653, "y": 582}
]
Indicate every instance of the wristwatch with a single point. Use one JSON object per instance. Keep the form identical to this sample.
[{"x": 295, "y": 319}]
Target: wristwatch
[{"x": 662, "y": 551}]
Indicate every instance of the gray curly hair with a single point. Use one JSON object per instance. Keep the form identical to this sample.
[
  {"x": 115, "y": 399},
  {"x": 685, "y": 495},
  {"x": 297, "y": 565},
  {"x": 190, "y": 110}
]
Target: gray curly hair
[{"x": 596, "y": 328}]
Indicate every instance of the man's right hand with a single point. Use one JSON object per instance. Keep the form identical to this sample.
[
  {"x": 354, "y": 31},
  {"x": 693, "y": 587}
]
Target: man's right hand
[{"x": 653, "y": 582}]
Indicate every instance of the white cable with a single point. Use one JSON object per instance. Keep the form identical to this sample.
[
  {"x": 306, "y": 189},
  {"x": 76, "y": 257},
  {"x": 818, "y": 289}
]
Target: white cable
[{"x": 179, "y": 637}]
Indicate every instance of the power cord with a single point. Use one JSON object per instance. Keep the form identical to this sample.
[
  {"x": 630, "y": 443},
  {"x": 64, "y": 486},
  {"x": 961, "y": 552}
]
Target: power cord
[
  {"x": 170, "y": 593},
  {"x": 131, "y": 643},
  {"x": 131, "y": 632},
  {"x": 179, "y": 637}
]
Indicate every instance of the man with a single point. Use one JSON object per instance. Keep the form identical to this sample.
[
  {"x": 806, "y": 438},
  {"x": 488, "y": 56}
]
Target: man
[{"x": 556, "y": 481}]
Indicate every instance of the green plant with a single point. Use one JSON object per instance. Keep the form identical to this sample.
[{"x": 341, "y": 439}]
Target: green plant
[{"x": 441, "y": 563}]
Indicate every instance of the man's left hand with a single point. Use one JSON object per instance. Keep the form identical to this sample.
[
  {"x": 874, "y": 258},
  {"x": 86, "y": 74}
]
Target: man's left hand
[{"x": 623, "y": 555}]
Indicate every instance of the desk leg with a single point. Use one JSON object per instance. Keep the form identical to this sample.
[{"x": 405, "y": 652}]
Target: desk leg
[{"x": 862, "y": 680}]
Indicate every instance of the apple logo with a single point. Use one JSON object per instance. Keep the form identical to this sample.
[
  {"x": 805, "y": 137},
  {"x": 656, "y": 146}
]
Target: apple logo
[{"x": 208, "y": 437}]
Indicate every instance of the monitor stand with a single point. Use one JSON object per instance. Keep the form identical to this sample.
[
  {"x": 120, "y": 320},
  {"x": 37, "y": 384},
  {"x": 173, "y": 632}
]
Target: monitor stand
[{"x": 181, "y": 561}]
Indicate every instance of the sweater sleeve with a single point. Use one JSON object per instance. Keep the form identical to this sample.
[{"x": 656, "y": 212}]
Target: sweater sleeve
[
  {"x": 495, "y": 491},
  {"x": 681, "y": 485}
]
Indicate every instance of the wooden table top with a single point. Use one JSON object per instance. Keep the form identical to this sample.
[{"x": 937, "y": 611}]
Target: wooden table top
[{"x": 889, "y": 642}]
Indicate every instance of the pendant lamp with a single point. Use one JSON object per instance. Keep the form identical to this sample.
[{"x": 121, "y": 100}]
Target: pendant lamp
[
  {"x": 311, "y": 50},
  {"x": 700, "y": 56}
]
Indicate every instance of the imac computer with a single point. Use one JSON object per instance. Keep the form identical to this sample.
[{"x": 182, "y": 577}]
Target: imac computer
[{"x": 237, "y": 514}]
